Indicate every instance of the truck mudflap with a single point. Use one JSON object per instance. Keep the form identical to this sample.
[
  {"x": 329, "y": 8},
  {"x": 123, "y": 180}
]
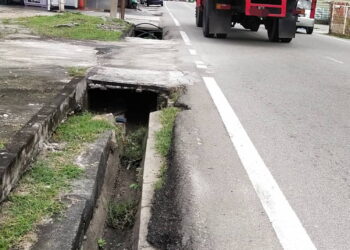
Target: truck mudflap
[
  {"x": 216, "y": 18},
  {"x": 220, "y": 21},
  {"x": 287, "y": 27}
]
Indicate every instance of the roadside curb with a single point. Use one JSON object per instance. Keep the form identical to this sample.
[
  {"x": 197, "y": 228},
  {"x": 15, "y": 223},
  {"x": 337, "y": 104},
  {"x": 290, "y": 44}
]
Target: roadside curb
[
  {"x": 151, "y": 169},
  {"x": 67, "y": 231},
  {"x": 26, "y": 143}
]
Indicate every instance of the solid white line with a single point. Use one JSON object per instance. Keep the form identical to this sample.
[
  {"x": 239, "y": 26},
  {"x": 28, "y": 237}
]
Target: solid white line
[
  {"x": 193, "y": 52},
  {"x": 177, "y": 23},
  {"x": 201, "y": 66},
  {"x": 288, "y": 228},
  {"x": 334, "y": 60},
  {"x": 185, "y": 38}
]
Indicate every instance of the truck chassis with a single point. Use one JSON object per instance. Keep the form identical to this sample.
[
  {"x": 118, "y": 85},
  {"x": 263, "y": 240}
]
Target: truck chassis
[{"x": 217, "y": 17}]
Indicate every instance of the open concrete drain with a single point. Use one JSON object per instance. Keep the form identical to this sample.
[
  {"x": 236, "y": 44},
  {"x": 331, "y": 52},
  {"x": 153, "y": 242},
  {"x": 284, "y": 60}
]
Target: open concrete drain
[{"x": 130, "y": 108}]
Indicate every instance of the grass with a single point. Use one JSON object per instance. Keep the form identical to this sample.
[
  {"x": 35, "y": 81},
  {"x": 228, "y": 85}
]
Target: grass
[
  {"x": 133, "y": 147},
  {"x": 6, "y": 21},
  {"x": 76, "y": 26},
  {"x": 2, "y": 144},
  {"x": 164, "y": 135},
  {"x": 340, "y": 35},
  {"x": 77, "y": 71},
  {"x": 163, "y": 141},
  {"x": 37, "y": 194},
  {"x": 161, "y": 177},
  {"x": 121, "y": 215}
]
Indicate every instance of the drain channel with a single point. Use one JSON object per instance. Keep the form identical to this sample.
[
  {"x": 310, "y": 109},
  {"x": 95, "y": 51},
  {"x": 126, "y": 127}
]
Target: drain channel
[{"x": 131, "y": 109}]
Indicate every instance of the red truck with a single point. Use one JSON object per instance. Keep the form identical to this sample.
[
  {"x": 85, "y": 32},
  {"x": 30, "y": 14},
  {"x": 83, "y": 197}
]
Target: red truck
[{"x": 217, "y": 17}]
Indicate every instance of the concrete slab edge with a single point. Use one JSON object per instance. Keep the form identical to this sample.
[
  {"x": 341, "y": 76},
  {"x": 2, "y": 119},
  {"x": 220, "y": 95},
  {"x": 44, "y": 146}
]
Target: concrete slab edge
[
  {"x": 26, "y": 143},
  {"x": 67, "y": 231},
  {"x": 151, "y": 169}
]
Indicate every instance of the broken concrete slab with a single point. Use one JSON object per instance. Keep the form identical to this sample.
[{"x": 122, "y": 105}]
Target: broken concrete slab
[
  {"x": 24, "y": 145},
  {"x": 99, "y": 162},
  {"x": 140, "y": 79},
  {"x": 138, "y": 53}
]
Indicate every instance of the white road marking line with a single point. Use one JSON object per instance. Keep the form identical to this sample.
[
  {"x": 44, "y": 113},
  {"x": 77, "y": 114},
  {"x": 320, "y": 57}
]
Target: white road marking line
[
  {"x": 200, "y": 65},
  {"x": 177, "y": 23},
  {"x": 193, "y": 52},
  {"x": 333, "y": 60},
  {"x": 185, "y": 38},
  {"x": 286, "y": 223}
]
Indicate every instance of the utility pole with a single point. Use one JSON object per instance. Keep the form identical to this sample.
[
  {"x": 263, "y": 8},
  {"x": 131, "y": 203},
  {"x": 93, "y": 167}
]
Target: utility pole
[
  {"x": 114, "y": 8},
  {"x": 122, "y": 10}
]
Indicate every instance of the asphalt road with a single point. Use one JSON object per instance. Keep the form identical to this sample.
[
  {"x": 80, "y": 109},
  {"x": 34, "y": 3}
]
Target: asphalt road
[{"x": 293, "y": 101}]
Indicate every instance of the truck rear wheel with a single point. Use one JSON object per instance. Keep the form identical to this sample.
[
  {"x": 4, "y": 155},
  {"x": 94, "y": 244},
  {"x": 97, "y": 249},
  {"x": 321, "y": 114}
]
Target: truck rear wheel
[
  {"x": 206, "y": 31},
  {"x": 309, "y": 30},
  {"x": 199, "y": 17},
  {"x": 221, "y": 35}
]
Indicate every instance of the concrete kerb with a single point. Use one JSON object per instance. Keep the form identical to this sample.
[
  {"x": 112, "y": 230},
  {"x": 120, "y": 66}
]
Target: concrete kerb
[
  {"x": 151, "y": 170},
  {"x": 100, "y": 162},
  {"x": 27, "y": 143}
]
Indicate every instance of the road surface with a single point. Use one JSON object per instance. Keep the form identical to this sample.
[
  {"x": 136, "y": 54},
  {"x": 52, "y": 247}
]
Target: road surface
[{"x": 272, "y": 167}]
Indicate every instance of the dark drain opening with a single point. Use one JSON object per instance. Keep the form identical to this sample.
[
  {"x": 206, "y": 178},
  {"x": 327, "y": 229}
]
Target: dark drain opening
[
  {"x": 148, "y": 31},
  {"x": 134, "y": 106}
]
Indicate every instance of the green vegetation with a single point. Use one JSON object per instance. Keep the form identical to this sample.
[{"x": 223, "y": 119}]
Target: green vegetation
[
  {"x": 121, "y": 215},
  {"x": 162, "y": 175},
  {"x": 77, "y": 71},
  {"x": 6, "y": 21},
  {"x": 2, "y": 144},
  {"x": 101, "y": 243},
  {"x": 134, "y": 186},
  {"x": 76, "y": 26},
  {"x": 164, "y": 136},
  {"x": 133, "y": 147},
  {"x": 340, "y": 36},
  {"x": 37, "y": 195},
  {"x": 163, "y": 141}
]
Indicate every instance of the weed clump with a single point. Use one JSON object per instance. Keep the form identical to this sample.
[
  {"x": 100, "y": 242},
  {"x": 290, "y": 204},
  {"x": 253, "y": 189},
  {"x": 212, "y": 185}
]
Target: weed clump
[
  {"x": 133, "y": 148},
  {"x": 121, "y": 215},
  {"x": 77, "y": 71}
]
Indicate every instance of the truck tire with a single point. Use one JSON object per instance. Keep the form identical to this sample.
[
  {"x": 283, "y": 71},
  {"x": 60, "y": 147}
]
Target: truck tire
[
  {"x": 221, "y": 35},
  {"x": 206, "y": 31},
  {"x": 309, "y": 30},
  {"x": 199, "y": 17},
  {"x": 286, "y": 40}
]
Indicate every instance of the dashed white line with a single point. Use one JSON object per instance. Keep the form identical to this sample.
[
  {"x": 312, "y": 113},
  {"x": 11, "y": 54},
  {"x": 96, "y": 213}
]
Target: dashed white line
[
  {"x": 333, "y": 60},
  {"x": 185, "y": 38},
  {"x": 193, "y": 52},
  {"x": 177, "y": 23},
  {"x": 200, "y": 65},
  {"x": 287, "y": 225}
]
